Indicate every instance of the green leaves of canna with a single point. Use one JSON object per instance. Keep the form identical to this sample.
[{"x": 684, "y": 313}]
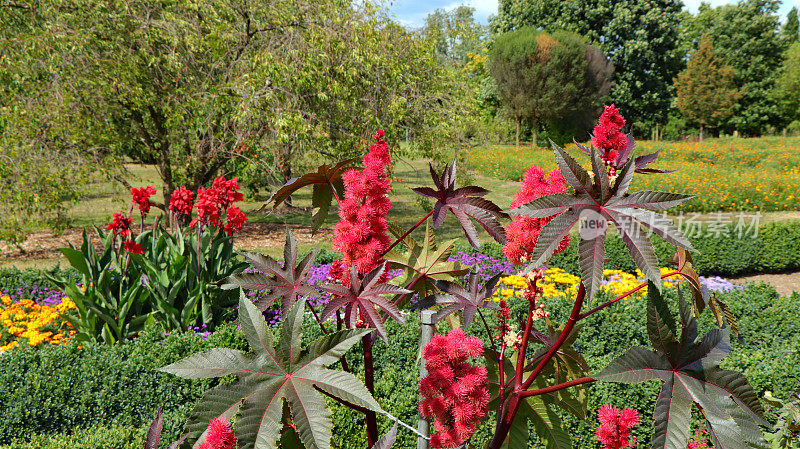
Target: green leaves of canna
[
  {"x": 598, "y": 200},
  {"x": 275, "y": 372},
  {"x": 689, "y": 368}
]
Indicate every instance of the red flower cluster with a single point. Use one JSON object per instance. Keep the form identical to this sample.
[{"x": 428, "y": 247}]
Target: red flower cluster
[
  {"x": 361, "y": 233},
  {"x": 234, "y": 220},
  {"x": 219, "y": 436},
  {"x": 227, "y": 191},
  {"x": 608, "y": 135},
  {"x": 455, "y": 392},
  {"x": 208, "y": 202},
  {"x": 120, "y": 225},
  {"x": 132, "y": 247},
  {"x": 180, "y": 201},
  {"x": 523, "y": 232},
  {"x": 699, "y": 440},
  {"x": 614, "y": 431},
  {"x": 142, "y": 198}
]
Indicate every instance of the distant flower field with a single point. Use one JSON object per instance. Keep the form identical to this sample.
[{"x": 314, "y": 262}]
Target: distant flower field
[{"x": 727, "y": 174}]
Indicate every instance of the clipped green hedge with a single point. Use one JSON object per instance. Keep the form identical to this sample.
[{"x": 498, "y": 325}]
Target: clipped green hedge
[
  {"x": 775, "y": 249},
  {"x": 92, "y": 438},
  {"x": 13, "y": 279},
  {"x": 58, "y": 389}
]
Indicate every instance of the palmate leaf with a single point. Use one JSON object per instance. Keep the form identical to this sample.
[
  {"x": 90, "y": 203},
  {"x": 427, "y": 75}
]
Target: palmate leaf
[
  {"x": 276, "y": 372},
  {"x": 287, "y": 283},
  {"x": 468, "y": 299},
  {"x": 690, "y": 370},
  {"x": 362, "y": 298},
  {"x": 326, "y": 182},
  {"x": 465, "y": 203},
  {"x": 538, "y": 410},
  {"x": 425, "y": 264},
  {"x": 640, "y": 163},
  {"x": 596, "y": 199},
  {"x": 701, "y": 296}
]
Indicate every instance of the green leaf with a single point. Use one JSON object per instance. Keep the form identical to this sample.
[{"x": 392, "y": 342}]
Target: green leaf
[
  {"x": 690, "y": 370},
  {"x": 272, "y": 375},
  {"x": 78, "y": 260}
]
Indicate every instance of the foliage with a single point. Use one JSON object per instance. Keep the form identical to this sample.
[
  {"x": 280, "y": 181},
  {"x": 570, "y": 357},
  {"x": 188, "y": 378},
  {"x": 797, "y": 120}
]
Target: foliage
[
  {"x": 455, "y": 33},
  {"x": 705, "y": 90},
  {"x": 65, "y": 388},
  {"x": 787, "y": 430},
  {"x": 545, "y": 78},
  {"x": 277, "y": 371},
  {"x": 744, "y": 32},
  {"x": 639, "y": 38},
  {"x": 787, "y": 89},
  {"x": 90, "y": 438},
  {"x": 791, "y": 28}
]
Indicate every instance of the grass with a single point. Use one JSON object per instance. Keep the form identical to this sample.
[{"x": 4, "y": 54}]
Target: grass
[{"x": 729, "y": 174}]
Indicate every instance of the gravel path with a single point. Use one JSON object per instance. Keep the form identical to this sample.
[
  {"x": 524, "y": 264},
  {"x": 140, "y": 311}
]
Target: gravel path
[{"x": 784, "y": 283}]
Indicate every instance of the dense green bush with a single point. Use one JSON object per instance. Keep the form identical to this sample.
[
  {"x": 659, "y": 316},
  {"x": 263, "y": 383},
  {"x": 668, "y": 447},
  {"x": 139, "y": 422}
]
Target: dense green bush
[
  {"x": 14, "y": 280},
  {"x": 92, "y": 438},
  {"x": 776, "y": 249},
  {"x": 58, "y": 389}
]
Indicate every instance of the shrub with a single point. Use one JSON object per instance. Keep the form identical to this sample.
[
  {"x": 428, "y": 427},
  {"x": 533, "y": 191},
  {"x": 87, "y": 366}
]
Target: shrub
[
  {"x": 92, "y": 438},
  {"x": 57, "y": 389}
]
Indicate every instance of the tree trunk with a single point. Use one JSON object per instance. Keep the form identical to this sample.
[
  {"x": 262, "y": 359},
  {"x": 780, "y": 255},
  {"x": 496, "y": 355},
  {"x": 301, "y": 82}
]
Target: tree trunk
[
  {"x": 518, "y": 119},
  {"x": 701, "y": 133},
  {"x": 286, "y": 168},
  {"x": 534, "y": 134}
]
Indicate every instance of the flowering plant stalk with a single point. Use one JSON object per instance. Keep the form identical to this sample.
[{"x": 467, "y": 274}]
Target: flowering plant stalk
[{"x": 529, "y": 371}]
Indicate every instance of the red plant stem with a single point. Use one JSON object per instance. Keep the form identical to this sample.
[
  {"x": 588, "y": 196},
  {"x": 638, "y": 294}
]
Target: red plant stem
[
  {"x": 406, "y": 234},
  {"x": 571, "y": 383},
  {"x": 523, "y": 348},
  {"x": 369, "y": 381},
  {"x": 355, "y": 407},
  {"x": 624, "y": 295},
  {"x": 573, "y": 318}
]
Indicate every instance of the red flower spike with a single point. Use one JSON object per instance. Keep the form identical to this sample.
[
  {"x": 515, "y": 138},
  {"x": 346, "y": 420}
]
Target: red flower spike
[
  {"x": 219, "y": 435},
  {"x": 207, "y": 206},
  {"x": 614, "y": 431},
  {"x": 523, "y": 232},
  {"x": 120, "y": 225},
  {"x": 142, "y": 198},
  {"x": 361, "y": 233},
  {"x": 180, "y": 201},
  {"x": 227, "y": 191},
  {"x": 234, "y": 220},
  {"x": 132, "y": 247},
  {"x": 454, "y": 393}
]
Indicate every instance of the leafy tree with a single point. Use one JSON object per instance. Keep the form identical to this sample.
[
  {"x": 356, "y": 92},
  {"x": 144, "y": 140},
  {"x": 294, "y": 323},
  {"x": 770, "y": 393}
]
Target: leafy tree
[
  {"x": 455, "y": 33},
  {"x": 545, "y": 77},
  {"x": 747, "y": 36},
  {"x": 791, "y": 29},
  {"x": 640, "y": 37},
  {"x": 706, "y": 92},
  {"x": 190, "y": 86},
  {"x": 788, "y": 84}
]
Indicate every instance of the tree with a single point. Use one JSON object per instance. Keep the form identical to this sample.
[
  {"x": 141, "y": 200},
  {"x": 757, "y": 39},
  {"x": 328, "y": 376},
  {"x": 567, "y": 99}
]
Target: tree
[
  {"x": 544, "y": 77},
  {"x": 746, "y": 35},
  {"x": 455, "y": 33},
  {"x": 640, "y": 38},
  {"x": 791, "y": 29},
  {"x": 788, "y": 85},
  {"x": 706, "y": 92},
  {"x": 191, "y": 87}
]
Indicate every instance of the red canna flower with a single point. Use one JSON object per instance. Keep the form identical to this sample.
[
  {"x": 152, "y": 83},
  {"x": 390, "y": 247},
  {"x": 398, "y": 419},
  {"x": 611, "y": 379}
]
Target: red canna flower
[
  {"x": 132, "y": 247},
  {"x": 180, "y": 201},
  {"x": 142, "y": 198},
  {"x": 219, "y": 435},
  {"x": 120, "y": 225},
  {"x": 227, "y": 191},
  {"x": 614, "y": 431},
  {"x": 361, "y": 233},
  {"x": 234, "y": 220},
  {"x": 207, "y": 207},
  {"x": 454, "y": 393},
  {"x": 523, "y": 232}
]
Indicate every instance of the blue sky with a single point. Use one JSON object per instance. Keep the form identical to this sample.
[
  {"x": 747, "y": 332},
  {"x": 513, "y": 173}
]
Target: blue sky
[{"x": 413, "y": 12}]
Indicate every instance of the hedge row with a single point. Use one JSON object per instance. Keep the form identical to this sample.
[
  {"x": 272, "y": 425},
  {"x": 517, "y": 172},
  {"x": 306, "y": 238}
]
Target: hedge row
[
  {"x": 775, "y": 249},
  {"x": 58, "y": 390}
]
